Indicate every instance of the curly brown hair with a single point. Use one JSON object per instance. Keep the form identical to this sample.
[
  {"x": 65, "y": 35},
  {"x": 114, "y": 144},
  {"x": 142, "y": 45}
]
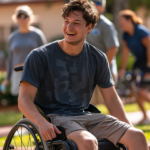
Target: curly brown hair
[{"x": 90, "y": 14}]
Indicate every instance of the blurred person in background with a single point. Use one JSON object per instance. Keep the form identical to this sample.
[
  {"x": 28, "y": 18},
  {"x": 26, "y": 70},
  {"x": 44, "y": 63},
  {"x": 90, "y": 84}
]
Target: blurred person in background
[
  {"x": 104, "y": 36},
  {"x": 136, "y": 38},
  {"x": 20, "y": 44}
]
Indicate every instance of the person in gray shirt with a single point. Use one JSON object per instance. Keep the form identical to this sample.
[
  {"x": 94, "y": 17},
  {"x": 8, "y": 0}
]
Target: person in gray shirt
[
  {"x": 20, "y": 44},
  {"x": 104, "y": 37}
]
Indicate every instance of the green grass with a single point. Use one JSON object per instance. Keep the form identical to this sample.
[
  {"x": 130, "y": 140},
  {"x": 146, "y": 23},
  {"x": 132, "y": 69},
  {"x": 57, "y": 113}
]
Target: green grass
[
  {"x": 128, "y": 107},
  {"x": 17, "y": 141},
  {"x": 9, "y": 117}
]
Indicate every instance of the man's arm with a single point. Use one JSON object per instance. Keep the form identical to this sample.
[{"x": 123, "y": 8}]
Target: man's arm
[
  {"x": 114, "y": 103},
  {"x": 111, "y": 53},
  {"x": 25, "y": 103}
]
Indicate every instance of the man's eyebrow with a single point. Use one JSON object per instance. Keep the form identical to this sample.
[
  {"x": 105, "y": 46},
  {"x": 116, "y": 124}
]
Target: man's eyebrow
[
  {"x": 77, "y": 20},
  {"x": 74, "y": 20}
]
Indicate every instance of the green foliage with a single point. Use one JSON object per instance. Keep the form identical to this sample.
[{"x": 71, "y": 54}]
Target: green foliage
[
  {"x": 130, "y": 62},
  {"x": 135, "y": 4},
  {"x": 7, "y": 98}
]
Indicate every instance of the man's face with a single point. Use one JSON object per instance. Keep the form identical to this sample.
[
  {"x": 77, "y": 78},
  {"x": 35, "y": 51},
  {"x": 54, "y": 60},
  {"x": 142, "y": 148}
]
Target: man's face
[{"x": 74, "y": 28}]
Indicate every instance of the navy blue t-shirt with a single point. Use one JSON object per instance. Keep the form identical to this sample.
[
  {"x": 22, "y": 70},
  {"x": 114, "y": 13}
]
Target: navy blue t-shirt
[
  {"x": 134, "y": 42},
  {"x": 66, "y": 83}
]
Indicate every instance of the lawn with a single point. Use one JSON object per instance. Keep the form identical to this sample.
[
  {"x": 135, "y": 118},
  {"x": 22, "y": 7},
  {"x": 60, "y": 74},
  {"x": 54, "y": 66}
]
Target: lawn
[
  {"x": 128, "y": 107},
  {"x": 9, "y": 117}
]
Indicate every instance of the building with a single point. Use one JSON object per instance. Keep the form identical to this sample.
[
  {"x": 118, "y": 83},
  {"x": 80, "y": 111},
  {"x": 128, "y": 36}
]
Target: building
[{"x": 47, "y": 14}]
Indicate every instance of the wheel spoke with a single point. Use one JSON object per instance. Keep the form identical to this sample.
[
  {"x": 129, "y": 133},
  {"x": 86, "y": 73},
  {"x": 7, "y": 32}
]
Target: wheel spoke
[
  {"x": 15, "y": 142},
  {"x": 22, "y": 142}
]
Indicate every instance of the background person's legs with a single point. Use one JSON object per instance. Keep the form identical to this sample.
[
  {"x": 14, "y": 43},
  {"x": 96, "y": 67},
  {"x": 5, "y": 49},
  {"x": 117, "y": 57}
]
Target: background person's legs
[
  {"x": 140, "y": 102},
  {"x": 134, "y": 139},
  {"x": 83, "y": 139}
]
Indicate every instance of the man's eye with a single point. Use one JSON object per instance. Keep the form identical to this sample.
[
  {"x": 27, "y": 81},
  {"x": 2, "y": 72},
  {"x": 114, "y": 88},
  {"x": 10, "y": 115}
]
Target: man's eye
[{"x": 77, "y": 23}]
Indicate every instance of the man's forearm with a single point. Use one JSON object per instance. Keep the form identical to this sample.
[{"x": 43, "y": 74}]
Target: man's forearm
[
  {"x": 117, "y": 110},
  {"x": 29, "y": 110}
]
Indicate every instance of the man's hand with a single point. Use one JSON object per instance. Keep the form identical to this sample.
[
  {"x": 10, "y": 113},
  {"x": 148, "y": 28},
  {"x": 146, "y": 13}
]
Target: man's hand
[{"x": 48, "y": 130}]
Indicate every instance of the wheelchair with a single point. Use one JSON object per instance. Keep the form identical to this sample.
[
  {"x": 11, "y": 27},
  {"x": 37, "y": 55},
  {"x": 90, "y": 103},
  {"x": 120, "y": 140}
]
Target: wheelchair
[{"x": 25, "y": 136}]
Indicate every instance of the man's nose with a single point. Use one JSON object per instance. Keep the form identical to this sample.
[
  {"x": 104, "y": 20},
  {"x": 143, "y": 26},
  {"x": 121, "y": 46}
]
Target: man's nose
[{"x": 70, "y": 26}]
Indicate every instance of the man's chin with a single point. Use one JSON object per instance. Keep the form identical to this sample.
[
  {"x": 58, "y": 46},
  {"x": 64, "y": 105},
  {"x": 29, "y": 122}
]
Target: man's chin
[{"x": 73, "y": 42}]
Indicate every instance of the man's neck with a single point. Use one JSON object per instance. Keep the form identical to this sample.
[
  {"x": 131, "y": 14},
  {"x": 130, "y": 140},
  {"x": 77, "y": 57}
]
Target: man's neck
[{"x": 71, "y": 49}]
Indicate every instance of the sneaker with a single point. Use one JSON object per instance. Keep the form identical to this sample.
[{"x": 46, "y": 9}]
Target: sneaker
[{"x": 144, "y": 122}]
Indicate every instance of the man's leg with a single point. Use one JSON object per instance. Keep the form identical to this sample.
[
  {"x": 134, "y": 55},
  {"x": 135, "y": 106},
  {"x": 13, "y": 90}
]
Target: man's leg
[
  {"x": 83, "y": 139},
  {"x": 134, "y": 139}
]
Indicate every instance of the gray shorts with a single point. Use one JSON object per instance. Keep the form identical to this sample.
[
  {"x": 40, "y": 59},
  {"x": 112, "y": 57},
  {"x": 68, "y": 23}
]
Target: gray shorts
[{"x": 100, "y": 125}]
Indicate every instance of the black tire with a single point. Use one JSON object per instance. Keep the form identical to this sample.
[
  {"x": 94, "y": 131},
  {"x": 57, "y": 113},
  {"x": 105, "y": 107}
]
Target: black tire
[{"x": 25, "y": 136}]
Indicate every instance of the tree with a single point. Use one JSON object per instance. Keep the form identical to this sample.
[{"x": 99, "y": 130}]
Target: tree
[{"x": 135, "y": 4}]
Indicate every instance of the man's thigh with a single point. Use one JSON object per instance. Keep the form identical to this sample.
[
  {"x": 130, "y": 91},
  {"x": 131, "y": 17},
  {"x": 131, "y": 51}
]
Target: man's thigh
[{"x": 109, "y": 128}]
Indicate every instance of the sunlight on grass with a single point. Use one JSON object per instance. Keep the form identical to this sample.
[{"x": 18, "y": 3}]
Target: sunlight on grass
[
  {"x": 128, "y": 107},
  {"x": 26, "y": 140},
  {"x": 2, "y": 141}
]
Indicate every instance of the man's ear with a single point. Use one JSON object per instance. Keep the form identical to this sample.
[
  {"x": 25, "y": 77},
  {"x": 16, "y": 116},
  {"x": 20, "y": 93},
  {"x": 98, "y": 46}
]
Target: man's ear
[{"x": 90, "y": 27}]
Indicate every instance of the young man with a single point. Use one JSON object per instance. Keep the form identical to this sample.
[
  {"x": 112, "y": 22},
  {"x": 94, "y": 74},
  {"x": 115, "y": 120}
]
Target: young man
[{"x": 60, "y": 78}]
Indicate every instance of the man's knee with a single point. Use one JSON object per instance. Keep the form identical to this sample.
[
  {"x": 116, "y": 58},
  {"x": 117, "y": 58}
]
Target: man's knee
[
  {"x": 134, "y": 138},
  {"x": 139, "y": 135},
  {"x": 90, "y": 143},
  {"x": 84, "y": 140}
]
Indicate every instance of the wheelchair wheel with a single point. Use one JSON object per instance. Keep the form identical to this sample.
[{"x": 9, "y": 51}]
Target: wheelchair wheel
[{"x": 25, "y": 136}]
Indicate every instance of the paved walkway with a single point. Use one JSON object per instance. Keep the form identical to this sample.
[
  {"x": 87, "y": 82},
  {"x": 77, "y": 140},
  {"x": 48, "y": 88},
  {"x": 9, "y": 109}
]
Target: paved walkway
[{"x": 136, "y": 117}]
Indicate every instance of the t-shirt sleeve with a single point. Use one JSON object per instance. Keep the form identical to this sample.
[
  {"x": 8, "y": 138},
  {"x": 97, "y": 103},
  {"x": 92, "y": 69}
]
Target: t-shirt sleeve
[
  {"x": 34, "y": 69},
  {"x": 110, "y": 36},
  {"x": 103, "y": 75},
  {"x": 143, "y": 31}
]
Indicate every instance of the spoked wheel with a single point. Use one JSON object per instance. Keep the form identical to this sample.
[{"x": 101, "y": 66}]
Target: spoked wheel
[{"x": 23, "y": 137}]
